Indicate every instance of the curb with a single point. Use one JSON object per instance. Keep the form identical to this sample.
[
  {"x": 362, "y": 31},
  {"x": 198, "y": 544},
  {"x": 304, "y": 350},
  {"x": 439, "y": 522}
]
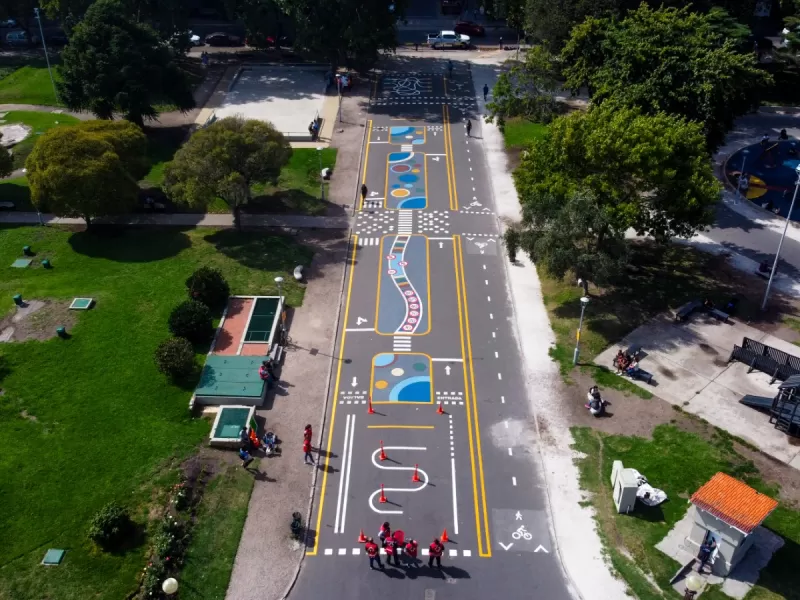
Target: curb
[{"x": 314, "y": 476}]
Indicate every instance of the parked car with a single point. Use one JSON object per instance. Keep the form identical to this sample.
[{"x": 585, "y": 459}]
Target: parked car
[
  {"x": 20, "y": 38},
  {"x": 56, "y": 39},
  {"x": 448, "y": 39},
  {"x": 268, "y": 41},
  {"x": 470, "y": 28},
  {"x": 8, "y": 23},
  {"x": 220, "y": 38}
]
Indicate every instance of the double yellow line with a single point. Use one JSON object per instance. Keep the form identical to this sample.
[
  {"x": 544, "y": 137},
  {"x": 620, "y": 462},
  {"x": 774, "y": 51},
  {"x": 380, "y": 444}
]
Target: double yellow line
[
  {"x": 452, "y": 188},
  {"x": 350, "y": 264},
  {"x": 471, "y": 403}
]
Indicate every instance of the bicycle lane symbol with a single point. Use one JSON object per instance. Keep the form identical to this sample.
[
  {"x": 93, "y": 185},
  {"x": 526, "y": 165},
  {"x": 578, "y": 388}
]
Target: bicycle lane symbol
[{"x": 522, "y": 530}]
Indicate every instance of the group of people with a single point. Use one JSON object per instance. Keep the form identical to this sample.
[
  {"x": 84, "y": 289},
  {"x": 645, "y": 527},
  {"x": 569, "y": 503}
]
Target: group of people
[
  {"x": 392, "y": 543},
  {"x": 626, "y": 363},
  {"x": 594, "y": 402},
  {"x": 313, "y": 129}
]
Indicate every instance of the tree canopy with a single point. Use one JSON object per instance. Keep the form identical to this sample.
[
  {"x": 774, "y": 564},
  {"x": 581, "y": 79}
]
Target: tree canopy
[
  {"x": 224, "y": 160},
  {"x": 88, "y": 170},
  {"x": 345, "y": 32},
  {"x": 599, "y": 173},
  {"x": 526, "y": 90},
  {"x": 669, "y": 60},
  {"x": 114, "y": 64},
  {"x": 6, "y": 161}
]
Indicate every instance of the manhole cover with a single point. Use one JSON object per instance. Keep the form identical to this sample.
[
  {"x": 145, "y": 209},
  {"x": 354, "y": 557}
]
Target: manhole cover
[
  {"x": 313, "y": 351},
  {"x": 430, "y": 595}
]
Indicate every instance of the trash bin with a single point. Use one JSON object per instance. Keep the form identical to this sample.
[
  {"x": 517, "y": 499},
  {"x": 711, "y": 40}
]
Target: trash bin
[{"x": 18, "y": 299}]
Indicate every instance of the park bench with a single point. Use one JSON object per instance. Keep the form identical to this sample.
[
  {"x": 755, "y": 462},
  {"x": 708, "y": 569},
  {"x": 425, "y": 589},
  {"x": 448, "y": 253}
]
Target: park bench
[
  {"x": 276, "y": 353},
  {"x": 687, "y": 309},
  {"x": 718, "y": 314},
  {"x": 6, "y": 205}
]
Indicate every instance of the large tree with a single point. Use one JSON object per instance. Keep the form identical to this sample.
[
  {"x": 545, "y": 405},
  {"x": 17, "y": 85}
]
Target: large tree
[
  {"x": 114, "y": 64},
  {"x": 599, "y": 173},
  {"x": 526, "y": 90},
  {"x": 349, "y": 33},
  {"x": 224, "y": 160},
  {"x": 669, "y": 60},
  {"x": 89, "y": 170}
]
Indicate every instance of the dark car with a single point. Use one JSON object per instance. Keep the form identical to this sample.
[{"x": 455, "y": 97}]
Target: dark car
[
  {"x": 222, "y": 39},
  {"x": 268, "y": 41},
  {"x": 470, "y": 28}
]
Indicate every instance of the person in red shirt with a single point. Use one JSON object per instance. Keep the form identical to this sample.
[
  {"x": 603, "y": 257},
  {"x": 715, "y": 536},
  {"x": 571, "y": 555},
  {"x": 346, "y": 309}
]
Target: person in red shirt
[
  {"x": 390, "y": 545},
  {"x": 307, "y": 433},
  {"x": 435, "y": 553},
  {"x": 309, "y": 460},
  {"x": 373, "y": 552},
  {"x": 411, "y": 550}
]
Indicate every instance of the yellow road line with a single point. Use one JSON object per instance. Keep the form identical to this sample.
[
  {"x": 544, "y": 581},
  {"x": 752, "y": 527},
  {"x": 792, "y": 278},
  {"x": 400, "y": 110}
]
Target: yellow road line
[
  {"x": 466, "y": 397},
  {"x": 452, "y": 162},
  {"x": 352, "y": 263},
  {"x": 366, "y": 160},
  {"x": 400, "y": 426},
  {"x": 474, "y": 399}
]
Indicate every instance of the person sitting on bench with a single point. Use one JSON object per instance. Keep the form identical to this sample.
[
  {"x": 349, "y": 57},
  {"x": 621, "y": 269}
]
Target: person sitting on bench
[
  {"x": 708, "y": 304},
  {"x": 632, "y": 369},
  {"x": 783, "y": 135}
]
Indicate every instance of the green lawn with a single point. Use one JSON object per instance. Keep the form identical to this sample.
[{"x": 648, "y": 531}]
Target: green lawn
[
  {"x": 89, "y": 419},
  {"x": 678, "y": 462},
  {"x": 39, "y": 122},
  {"x": 657, "y": 278},
  {"x": 215, "y": 539},
  {"x": 519, "y": 132},
  {"x": 29, "y": 84}
]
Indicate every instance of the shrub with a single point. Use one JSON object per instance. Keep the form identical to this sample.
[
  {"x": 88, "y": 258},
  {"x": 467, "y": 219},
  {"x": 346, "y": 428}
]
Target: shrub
[
  {"x": 110, "y": 525},
  {"x": 207, "y": 285},
  {"x": 191, "y": 320},
  {"x": 175, "y": 357}
]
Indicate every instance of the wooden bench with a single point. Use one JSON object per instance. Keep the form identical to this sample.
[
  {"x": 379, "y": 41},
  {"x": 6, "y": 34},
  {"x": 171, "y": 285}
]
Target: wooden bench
[{"x": 687, "y": 309}]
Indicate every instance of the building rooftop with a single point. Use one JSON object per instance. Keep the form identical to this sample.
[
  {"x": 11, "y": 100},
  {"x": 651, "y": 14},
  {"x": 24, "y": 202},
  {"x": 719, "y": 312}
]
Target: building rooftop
[{"x": 733, "y": 502}]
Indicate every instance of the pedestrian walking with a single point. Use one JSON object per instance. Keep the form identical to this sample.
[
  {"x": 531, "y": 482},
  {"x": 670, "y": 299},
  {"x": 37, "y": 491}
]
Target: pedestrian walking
[
  {"x": 469, "y": 128},
  {"x": 485, "y": 92},
  {"x": 384, "y": 532},
  {"x": 245, "y": 456},
  {"x": 390, "y": 545},
  {"x": 364, "y": 191},
  {"x": 501, "y": 43},
  {"x": 706, "y": 550},
  {"x": 435, "y": 553},
  {"x": 373, "y": 553},
  {"x": 307, "y": 458},
  {"x": 307, "y": 433},
  {"x": 410, "y": 552},
  {"x": 449, "y": 69}
]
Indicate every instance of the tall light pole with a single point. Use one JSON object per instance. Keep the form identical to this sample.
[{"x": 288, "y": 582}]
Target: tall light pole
[
  {"x": 745, "y": 152},
  {"x": 584, "y": 302},
  {"x": 321, "y": 179},
  {"x": 783, "y": 235},
  {"x": 46, "y": 56}
]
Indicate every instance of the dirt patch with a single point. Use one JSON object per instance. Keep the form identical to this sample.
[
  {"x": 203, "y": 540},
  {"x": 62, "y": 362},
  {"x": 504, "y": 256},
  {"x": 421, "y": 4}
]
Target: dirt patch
[{"x": 36, "y": 320}]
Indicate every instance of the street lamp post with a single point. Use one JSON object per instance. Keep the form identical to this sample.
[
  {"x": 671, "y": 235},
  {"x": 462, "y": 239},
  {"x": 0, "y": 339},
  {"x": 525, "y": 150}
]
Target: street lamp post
[
  {"x": 46, "y": 57},
  {"x": 321, "y": 179},
  {"x": 279, "y": 283},
  {"x": 783, "y": 236},
  {"x": 745, "y": 152},
  {"x": 584, "y": 302}
]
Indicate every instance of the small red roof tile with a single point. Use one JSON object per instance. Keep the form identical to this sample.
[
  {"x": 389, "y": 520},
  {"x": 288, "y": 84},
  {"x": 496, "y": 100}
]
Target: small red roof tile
[{"x": 733, "y": 502}]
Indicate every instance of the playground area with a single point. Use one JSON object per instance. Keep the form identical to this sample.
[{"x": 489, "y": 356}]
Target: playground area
[
  {"x": 765, "y": 173},
  {"x": 289, "y": 97},
  {"x": 246, "y": 336}
]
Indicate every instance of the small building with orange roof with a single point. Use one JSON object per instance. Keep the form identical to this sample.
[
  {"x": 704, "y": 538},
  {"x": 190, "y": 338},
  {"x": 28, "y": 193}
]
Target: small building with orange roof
[{"x": 728, "y": 511}]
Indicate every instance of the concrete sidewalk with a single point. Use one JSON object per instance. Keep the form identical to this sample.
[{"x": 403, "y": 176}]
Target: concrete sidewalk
[
  {"x": 188, "y": 220},
  {"x": 268, "y": 561}
]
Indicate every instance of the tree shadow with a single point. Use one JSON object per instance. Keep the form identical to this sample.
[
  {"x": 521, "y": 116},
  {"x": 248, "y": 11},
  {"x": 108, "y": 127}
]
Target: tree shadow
[
  {"x": 130, "y": 244},
  {"x": 653, "y": 514},
  {"x": 255, "y": 250}
]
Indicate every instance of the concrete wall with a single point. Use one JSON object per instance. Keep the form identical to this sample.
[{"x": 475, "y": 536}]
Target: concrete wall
[{"x": 732, "y": 544}]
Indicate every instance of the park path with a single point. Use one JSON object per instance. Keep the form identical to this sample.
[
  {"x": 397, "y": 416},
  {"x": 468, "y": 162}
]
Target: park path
[{"x": 192, "y": 220}]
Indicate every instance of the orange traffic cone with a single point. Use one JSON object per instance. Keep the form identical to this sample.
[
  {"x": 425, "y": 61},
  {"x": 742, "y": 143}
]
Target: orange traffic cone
[
  {"x": 444, "y": 537},
  {"x": 440, "y": 410},
  {"x": 415, "y": 477},
  {"x": 383, "y": 454},
  {"x": 382, "y": 499},
  {"x": 362, "y": 539},
  {"x": 370, "y": 410}
]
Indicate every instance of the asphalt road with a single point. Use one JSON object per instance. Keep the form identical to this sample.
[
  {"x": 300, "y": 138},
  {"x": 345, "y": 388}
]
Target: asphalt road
[{"x": 425, "y": 323}]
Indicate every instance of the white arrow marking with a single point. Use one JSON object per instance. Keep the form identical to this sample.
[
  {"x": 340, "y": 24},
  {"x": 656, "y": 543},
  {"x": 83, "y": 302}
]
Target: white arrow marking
[
  {"x": 355, "y": 382},
  {"x": 441, "y": 244},
  {"x": 447, "y": 369},
  {"x": 371, "y": 194},
  {"x": 519, "y": 514},
  {"x": 379, "y": 139},
  {"x": 361, "y": 320},
  {"x": 506, "y": 547},
  {"x": 542, "y": 549},
  {"x": 436, "y": 158}
]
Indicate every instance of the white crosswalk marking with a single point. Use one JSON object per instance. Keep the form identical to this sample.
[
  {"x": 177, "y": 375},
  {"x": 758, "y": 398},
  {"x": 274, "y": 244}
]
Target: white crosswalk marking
[
  {"x": 369, "y": 241},
  {"x": 373, "y": 203},
  {"x": 401, "y": 343},
  {"x": 406, "y": 147},
  {"x": 400, "y": 551},
  {"x": 405, "y": 222}
]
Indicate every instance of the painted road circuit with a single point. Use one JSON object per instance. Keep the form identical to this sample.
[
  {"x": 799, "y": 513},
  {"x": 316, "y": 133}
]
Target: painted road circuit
[{"x": 426, "y": 324}]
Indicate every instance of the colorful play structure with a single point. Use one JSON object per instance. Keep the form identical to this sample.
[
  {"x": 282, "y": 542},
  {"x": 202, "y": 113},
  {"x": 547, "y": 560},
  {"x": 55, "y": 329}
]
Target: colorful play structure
[
  {"x": 250, "y": 332},
  {"x": 765, "y": 174}
]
